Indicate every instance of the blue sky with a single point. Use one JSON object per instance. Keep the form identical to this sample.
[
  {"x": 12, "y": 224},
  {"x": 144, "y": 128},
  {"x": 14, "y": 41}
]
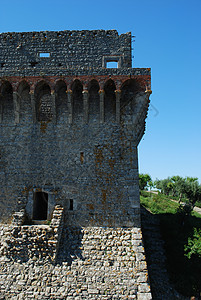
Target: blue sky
[{"x": 168, "y": 39}]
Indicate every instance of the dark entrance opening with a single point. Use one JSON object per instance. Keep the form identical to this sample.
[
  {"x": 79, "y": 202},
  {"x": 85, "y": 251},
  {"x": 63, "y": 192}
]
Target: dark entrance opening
[
  {"x": 40, "y": 206},
  {"x": 71, "y": 204}
]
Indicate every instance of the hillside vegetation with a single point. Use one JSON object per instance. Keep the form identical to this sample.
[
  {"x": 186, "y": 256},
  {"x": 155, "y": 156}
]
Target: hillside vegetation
[{"x": 180, "y": 229}]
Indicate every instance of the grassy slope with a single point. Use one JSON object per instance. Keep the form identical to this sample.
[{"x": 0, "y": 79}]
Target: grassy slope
[{"x": 175, "y": 229}]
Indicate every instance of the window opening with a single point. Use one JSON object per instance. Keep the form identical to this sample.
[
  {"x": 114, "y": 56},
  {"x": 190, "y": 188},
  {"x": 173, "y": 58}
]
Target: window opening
[
  {"x": 81, "y": 157},
  {"x": 112, "y": 64},
  {"x": 44, "y": 54},
  {"x": 71, "y": 204},
  {"x": 33, "y": 63},
  {"x": 40, "y": 206}
]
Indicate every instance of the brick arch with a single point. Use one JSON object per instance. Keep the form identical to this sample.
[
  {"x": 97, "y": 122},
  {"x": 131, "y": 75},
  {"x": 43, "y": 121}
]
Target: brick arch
[
  {"x": 23, "y": 85},
  {"x": 107, "y": 80},
  {"x": 79, "y": 81},
  {"x": 58, "y": 83},
  {"x": 93, "y": 84},
  {"x": 6, "y": 87},
  {"x": 47, "y": 80}
]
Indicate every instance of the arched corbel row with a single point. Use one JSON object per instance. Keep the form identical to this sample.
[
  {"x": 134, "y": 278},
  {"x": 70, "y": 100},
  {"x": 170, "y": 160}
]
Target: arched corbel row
[{"x": 117, "y": 90}]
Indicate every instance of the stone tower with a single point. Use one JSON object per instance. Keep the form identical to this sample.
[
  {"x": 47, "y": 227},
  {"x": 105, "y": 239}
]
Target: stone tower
[{"x": 69, "y": 127}]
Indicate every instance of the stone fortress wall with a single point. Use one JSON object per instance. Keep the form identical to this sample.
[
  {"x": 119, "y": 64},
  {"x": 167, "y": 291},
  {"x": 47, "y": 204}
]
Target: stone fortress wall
[
  {"x": 69, "y": 130},
  {"x": 66, "y": 50}
]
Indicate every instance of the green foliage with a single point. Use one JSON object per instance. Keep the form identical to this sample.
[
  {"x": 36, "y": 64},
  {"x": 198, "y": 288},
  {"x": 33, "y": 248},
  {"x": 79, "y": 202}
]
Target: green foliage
[
  {"x": 145, "y": 181},
  {"x": 158, "y": 203},
  {"x": 165, "y": 185},
  {"x": 185, "y": 210},
  {"x": 184, "y": 272},
  {"x": 179, "y": 187},
  {"x": 194, "y": 244},
  {"x": 193, "y": 191}
]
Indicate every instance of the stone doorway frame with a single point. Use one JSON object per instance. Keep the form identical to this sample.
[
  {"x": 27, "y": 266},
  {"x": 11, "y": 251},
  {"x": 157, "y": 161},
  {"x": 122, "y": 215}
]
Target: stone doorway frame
[{"x": 51, "y": 201}]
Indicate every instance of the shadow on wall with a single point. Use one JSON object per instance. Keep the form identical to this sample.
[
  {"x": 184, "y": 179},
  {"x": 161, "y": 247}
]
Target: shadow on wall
[
  {"x": 70, "y": 245},
  {"x": 172, "y": 275}
]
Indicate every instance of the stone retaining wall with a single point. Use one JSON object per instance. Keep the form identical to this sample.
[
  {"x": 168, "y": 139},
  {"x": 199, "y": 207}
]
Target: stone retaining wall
[
  {"x": 93, "y": 263},
  {"x": 23, "y": 242}
]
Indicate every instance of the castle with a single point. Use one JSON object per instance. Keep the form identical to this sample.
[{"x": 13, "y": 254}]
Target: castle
[{"x": 70, "y": 126}]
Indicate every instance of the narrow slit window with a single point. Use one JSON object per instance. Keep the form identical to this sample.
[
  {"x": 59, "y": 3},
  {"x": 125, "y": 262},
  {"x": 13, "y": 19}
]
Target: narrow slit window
[
  {"x": 71, "y": 204},
  {"x": 81, "y": 157},
  {"x": 112, "y": 64},
  {"x": 44, "y": 54}
]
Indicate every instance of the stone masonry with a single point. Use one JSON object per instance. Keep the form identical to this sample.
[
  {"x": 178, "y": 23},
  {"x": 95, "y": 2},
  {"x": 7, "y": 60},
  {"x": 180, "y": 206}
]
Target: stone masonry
[{"x": 69, "y": 198}]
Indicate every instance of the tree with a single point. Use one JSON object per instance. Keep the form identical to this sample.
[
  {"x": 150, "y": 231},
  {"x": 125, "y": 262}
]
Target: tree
[
  {"x": 165, "y": 185},
  {"x": 194, "y": 244},
  {"x": 178, "y": 186},
  {"x": 144, "y": 181},
  {"x": 193, "y": 191}
]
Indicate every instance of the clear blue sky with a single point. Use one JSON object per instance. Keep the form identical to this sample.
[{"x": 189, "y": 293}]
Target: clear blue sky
[{"x": 168, "y": 39}]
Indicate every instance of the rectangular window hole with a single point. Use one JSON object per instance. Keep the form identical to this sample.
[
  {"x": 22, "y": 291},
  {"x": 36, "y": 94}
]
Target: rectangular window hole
[
  {"x": 81, "y": 157},
  {"x": 44, "y": 54},
  {"x": 71, "y": 204},
  {"x": 33, "y": 63},
  {"x": 40, "y": 206},
  {"x": 112, "y": 64}
]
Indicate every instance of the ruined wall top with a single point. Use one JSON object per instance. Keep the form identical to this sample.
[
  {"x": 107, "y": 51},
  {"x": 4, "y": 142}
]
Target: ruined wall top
[{"x": 86, "y": 49}]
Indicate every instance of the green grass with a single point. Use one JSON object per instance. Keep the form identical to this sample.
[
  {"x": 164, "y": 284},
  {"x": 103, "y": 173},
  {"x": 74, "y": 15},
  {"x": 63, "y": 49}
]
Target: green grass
[
  {"x": 176, "y": 228},
  {"x": 158, "y": 203},
  {"x": 165, "y": 201}
]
